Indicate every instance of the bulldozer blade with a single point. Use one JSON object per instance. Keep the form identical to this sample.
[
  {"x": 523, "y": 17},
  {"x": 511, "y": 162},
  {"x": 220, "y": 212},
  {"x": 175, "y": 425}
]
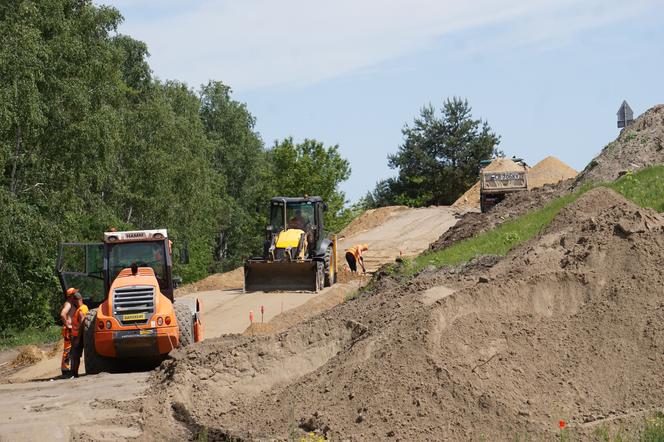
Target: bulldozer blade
[{"x": 280, "y": 276}]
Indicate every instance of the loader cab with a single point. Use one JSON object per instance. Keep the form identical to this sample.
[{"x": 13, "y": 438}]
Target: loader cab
[
  {"x": 92, "y": 268},
  {"x": 304, "y": 213}
]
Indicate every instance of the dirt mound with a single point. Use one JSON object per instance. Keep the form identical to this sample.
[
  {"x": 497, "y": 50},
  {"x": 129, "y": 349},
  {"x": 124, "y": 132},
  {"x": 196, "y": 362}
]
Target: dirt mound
[
  {"x": 639, "y": 145},
  {"x": 549, "y": 171},
  {"x": 567, "y": 326},
  {"x": 28, "y": 355},
  {"x": 313, "y": 307},
  {"x": 219, "y": 281},
  {"x": 370, "y": 219},
  {"x": 469, "y": 200},
  {"x": 503, "y": 165}
]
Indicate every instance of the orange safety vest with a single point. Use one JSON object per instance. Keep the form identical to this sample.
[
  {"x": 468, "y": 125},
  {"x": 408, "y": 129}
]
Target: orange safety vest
[
  {"x": 357, "y": 250},
  {"x": 76, "y": 321}
]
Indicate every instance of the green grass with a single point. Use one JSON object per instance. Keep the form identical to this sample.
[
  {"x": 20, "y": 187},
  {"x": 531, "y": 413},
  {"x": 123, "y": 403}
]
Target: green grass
[
  {"x": 645, "y": 188},
  {"x": 654, "y": 429},
  {"x": 29, "y": 336},
  {"x": 498, "y": 241}
]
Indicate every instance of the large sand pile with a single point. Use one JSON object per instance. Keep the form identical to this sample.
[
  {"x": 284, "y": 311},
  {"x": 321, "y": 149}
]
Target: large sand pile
[
  {"x": 469, "y": 200},
  {"x": 639, "y": 145},
  {"x": 549, "y": 171},
  {"x": 567, "y": 326}
]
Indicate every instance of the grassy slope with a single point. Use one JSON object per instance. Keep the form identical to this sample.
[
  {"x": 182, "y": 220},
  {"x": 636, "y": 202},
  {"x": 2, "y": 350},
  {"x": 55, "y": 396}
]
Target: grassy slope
[
  {"x": 645, "y": 188},
  {"x": 28, "y": 336}
]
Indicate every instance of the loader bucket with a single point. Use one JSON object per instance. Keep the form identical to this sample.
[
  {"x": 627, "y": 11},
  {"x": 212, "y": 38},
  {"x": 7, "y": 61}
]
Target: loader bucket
[{"x": 280, "y": 276}]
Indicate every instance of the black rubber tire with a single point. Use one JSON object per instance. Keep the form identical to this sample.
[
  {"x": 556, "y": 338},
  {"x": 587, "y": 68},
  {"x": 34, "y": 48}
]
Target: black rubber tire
[
  {"x": 94, "y": 362},
  {"x": 320, "y": 276},
  {"x": 329, "y": 278},
  {"x": 185, "y": 318}
]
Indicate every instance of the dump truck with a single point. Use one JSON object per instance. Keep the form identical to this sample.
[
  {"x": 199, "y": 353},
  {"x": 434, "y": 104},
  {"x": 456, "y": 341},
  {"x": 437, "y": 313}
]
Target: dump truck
[
  {"x": 127, "y": 283},
  {"x": 499, "y": 178},
  {"x": 297, "y": 254}
]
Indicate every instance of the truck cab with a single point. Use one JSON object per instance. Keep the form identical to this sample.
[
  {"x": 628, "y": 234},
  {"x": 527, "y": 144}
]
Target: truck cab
[{"x": 496, "y": 183}]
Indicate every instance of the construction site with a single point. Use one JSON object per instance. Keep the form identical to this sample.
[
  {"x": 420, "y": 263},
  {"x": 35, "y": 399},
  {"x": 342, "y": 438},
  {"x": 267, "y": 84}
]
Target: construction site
[{"x": 557, "y": 335}]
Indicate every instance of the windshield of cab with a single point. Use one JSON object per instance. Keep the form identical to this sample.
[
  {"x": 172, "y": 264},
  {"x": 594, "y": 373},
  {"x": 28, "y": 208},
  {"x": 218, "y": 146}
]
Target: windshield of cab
[
  {"x": 144, "y": 254},
  {"x": 298, "y": 215}
]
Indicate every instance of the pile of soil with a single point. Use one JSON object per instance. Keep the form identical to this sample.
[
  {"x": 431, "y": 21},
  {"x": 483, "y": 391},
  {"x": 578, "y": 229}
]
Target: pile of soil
[
  {"x": 549, "y": 171},
  {"x": 566, "y": 326},
  {"x": 218, "y": 281},
  {"x": 28, "y": 355},
  {"x": 503, "y": 165},
  {"x": 370, "y": 219},
  {"x": 325, "y": 301},
  {"x": 639, "y": 145},
  {"x": 469, "y": 200}
]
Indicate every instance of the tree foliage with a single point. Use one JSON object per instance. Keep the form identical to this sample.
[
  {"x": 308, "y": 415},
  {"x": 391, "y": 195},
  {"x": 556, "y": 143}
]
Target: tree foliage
[
  {"x": 439, "y": 158},
  {"x": 310, "y": 168},
  {"x": 89, "y": 140}
]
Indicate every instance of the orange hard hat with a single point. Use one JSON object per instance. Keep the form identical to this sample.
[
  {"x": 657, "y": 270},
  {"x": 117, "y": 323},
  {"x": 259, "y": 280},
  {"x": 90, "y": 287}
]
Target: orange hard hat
[{"x": 71, "y": 291}]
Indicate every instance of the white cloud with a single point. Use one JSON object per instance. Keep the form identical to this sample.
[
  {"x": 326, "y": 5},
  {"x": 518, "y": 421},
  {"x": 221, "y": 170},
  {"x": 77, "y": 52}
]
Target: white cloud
[{"x": 256, "y": 43}]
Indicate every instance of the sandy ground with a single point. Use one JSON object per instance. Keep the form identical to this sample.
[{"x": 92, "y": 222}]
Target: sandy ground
[
  {"x": 408, "y": 232},
  {"x": 565, "y": 327},
  {"x": 33, "y": 407},
  {"x": 53, "y": 410}
]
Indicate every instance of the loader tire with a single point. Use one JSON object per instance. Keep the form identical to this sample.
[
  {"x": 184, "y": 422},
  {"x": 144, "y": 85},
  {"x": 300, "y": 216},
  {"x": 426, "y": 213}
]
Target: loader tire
[
  {"x": 330, "y": 268},
  {"x": 185, "y": 318},
  {"x": 94, "y": 362}
]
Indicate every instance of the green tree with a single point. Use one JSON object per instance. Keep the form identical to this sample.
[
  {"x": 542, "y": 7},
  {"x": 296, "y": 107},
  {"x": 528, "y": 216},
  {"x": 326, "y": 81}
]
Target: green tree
[
  {"x": 310, "y": 168},
  {"x": 440, "y": 156},
  {"x": 239, "y": 157},
  {"x": 382, "y": 195},
  {"x": 89, "y": 140},
  {"x": 27, "y": 246},
  {"x": 168, "y": 180}
]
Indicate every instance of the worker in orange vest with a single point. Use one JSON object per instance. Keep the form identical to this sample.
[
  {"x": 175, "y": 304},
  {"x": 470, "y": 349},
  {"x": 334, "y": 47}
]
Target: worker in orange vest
[
  {"x": 66, "y": 315},
  {"x": 354, "y": 256},
  {"x": 77, "y": 333}
]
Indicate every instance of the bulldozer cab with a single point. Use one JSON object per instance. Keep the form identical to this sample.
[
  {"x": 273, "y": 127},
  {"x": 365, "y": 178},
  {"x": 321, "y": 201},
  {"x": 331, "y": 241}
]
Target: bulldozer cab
[
  {"x": 298, "y": 213},
  {"x": 92, "y": 268}
]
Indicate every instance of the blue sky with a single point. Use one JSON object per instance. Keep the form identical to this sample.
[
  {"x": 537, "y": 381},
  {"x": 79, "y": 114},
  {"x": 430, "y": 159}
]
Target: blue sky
[{"x": 547, "y": 75}]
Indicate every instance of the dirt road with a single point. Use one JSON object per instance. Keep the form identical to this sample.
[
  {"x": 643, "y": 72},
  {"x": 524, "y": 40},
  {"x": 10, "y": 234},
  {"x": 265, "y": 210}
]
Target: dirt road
[
  {"x": 405, "y": 231},
  {"x": 34, "y": 407}
]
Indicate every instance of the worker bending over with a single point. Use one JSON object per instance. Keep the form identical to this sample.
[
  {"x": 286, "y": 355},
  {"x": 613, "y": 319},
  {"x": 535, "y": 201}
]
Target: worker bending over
[
  {"x": 77, "y": 333},
  {"x": 354, "y": 256}
]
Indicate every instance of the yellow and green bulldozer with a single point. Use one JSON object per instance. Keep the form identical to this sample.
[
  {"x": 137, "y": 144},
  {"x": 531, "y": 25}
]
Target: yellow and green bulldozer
[{"x": 297, "y": 253}]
